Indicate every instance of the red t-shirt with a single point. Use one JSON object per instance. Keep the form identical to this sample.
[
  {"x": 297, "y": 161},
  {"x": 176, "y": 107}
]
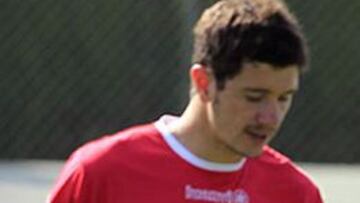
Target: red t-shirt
[{"x": 147, "y": 164}]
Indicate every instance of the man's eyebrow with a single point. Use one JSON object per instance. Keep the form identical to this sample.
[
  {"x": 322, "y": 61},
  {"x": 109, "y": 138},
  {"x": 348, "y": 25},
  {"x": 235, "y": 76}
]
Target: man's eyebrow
[
  {"x": 256, "y": 90},
  {"x": 292, "y": 91}
]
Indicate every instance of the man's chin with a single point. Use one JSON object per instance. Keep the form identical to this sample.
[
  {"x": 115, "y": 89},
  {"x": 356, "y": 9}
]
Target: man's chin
[{"x": 254, "y": 153}]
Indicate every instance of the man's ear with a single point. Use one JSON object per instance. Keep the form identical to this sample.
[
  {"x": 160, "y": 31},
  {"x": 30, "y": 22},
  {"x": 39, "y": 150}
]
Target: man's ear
[{"x": 201, "y": 79}]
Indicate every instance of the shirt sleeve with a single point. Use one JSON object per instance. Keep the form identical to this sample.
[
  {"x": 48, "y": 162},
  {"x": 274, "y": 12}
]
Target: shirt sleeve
[
  {"x": 314, "y": 195},
  {"x": 70, "y": 185},
  {"x": 317, "y": 197}
]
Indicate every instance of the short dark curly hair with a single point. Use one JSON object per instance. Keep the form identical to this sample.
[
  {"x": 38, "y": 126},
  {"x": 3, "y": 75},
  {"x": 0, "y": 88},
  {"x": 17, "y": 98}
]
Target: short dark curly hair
[{"x": 233, "y": 32}]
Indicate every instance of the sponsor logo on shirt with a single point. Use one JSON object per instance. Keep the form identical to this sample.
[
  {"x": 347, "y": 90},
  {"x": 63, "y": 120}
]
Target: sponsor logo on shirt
[{"x": 228, "y": 196}]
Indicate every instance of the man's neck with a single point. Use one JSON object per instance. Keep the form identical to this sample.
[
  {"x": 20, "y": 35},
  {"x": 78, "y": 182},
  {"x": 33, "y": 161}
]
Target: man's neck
[{"x": 194, "y": 132}]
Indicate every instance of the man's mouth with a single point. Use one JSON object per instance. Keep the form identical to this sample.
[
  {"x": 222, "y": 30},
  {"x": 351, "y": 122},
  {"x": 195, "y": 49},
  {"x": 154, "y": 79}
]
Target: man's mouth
[{"x": 260, "y": 135}]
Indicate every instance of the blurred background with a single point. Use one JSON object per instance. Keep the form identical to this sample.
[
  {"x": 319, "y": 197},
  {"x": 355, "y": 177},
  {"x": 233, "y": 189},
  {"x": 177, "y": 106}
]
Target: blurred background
[{"x": 75, "y": 70}]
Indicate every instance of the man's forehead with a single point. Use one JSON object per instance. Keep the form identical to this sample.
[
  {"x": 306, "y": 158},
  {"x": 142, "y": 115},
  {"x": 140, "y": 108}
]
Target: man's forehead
[
  {"x": 259, "y": 65},
  {"x": 265, "y": 78}
]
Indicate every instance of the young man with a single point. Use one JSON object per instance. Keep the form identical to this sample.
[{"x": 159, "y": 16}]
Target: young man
[{"x": 248, "y": 56}]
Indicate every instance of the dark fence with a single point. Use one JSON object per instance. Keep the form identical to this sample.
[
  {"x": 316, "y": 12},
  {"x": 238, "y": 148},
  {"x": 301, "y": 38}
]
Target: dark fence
[{"x": 73, "y": 70}]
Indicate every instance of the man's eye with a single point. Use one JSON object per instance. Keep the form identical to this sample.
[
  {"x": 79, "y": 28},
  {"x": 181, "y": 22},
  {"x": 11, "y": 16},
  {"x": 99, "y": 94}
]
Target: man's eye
[
  {"x": 284, "y": 98},
  {"x": 253, "y": 98}
]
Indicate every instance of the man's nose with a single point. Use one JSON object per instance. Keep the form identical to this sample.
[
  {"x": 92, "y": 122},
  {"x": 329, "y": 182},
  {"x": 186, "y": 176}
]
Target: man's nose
[{"x": 269, "y": 114}]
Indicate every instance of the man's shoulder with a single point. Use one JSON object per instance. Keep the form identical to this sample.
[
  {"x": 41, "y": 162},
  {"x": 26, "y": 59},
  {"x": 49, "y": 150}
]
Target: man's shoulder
[
  {"x": 283, "y": 168},
  {"x": 118, "y": 145},
  {"x": 272, "y": 157}
]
